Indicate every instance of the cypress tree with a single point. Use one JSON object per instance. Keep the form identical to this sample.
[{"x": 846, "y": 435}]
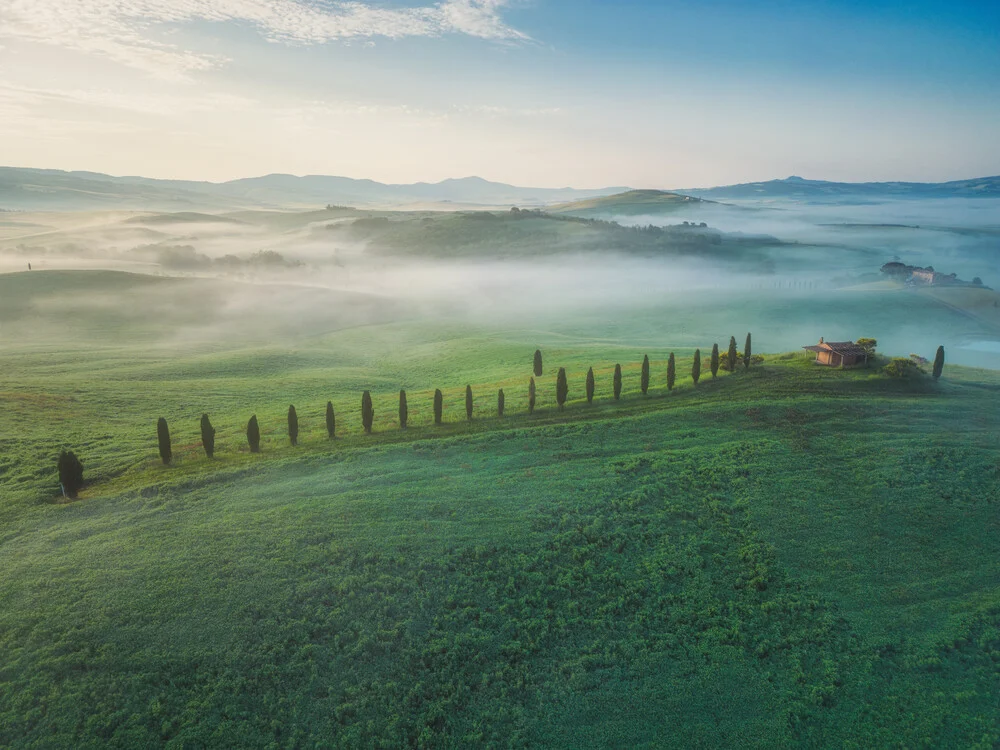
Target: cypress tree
[
  {"x": 468, "y": 402},
  {"x": 500, "y": 403},
  {"x": 207, "y": 436},
  {"x": 438, "y": 406},
  {"x": 404, "y": 412},
  {"x": 531, "y": 396},
  {"x": 696, "y": 367},
  {"x": 537, "y": 365},
  {"x": 293, "y": 425},
  {"x": 671, "y": 372},
  {"x": 644, "y": 380},
  {"x": 367, "y": 412},
  {"x": 562, "y": 388},
  {"x": 70, "y": 474},
  {"x": 331, "y": 420},
  {"x": 253, "y": 434},
  {"x": 590, "y": 385},
  {"x": 714, "y": 362},
  {"x": 618, "y": 382},
  {"x": 746, "y": 353},
  {"x": 163, "y": 438},
  {"x": 731, "y": 354},
  {"x": 938, "y": 362}
]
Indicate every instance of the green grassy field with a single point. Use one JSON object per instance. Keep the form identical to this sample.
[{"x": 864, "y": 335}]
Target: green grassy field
[{"x": 793, "y": 556}]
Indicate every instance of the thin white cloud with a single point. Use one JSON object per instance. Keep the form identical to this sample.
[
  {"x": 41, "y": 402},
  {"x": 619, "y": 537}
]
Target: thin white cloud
[{"x": 129, "y": 31}]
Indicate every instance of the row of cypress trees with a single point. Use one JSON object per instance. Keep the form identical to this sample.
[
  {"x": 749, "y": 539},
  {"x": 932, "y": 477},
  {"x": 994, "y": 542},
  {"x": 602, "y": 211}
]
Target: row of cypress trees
[{"x": 70, "y": 468}]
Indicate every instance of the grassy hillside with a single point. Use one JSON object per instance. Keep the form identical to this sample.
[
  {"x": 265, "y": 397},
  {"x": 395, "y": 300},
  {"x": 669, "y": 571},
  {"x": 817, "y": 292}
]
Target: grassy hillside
[
  {"x": 793, "y": 556},
  {"x": 629, "y": 203}
]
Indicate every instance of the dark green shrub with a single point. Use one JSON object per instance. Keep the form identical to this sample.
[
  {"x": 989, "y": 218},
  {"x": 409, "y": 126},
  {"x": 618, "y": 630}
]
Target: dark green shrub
[
  {"x": 696, "y": 366},
  {"x": 531, "y": 396},
  {"x": 562, "y": 388},
  {"x": 537, "y": 364},
  {"x": 938, "y": 362},
  {"x": 367, "y": 412},
  {"x": 207, "y": 436},
  {"x": 163, "y": 439},
  {"x": 500, "y": 403},
  {"x": 747, "y": 356},
  {"x": 617, "y": 383},
  {"x": 644, "y": 379},
  {"x": 590, "y": 385},
  {"x": 468, "y": 402},
  {"x": 253, "y": 434},
  {"x": 331, "y": 420},
  {"x": 714, "y": 361},
  {"x": 404, "y": 411},
  {"x": 293, "y": 425},
  {"x": 70, "y": 474},
  {"x": 438, "y": 406},
  {"x": 671, "y": 372}
]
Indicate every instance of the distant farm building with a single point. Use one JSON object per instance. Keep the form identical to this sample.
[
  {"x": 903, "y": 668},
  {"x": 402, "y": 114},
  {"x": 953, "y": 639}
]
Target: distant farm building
[
  {"x": 839, "y": 353},
  {"x": 917, "y": 276}
]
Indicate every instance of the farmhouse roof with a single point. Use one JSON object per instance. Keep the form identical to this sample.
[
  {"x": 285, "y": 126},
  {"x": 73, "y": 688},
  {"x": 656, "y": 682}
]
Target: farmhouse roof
[{"x": 844, "y": 348}]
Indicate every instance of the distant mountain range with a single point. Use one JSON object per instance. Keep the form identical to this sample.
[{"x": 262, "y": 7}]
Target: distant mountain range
[
  {"x": 56, "y": 190},
  {"x": 49, "y": 189},
  {"x": 797, "y": 188}
]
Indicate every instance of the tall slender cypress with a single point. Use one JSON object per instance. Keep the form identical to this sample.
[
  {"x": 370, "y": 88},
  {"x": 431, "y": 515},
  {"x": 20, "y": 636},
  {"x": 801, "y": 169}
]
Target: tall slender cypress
[
  {"x": 253, "y": 434},
  {"x": 644, "y": 380},
  {"x": 746, "y": 353},
  {"x": 731, "y": 354},
  {"x": 531, "y": 396},
  {"x": 468, "y": 402},
  {"x": 293, "y": 426},
  {"x": 331, "y": 420},
  {"x": 163, "y": 438},
  {"x": 500, "y": 403},
  {"x": 404, "y": 411},
  {"x": 438, "y": 405},
  {"x": 618, "y": 382},
  {"x": 714, "y": 362},
  {"x": 696, "y": 367},
  {"x": 537, "y": 364},
  {"x": 938, "y": 362},
  {"x": 562, "y": 388},
  {"x": 207, "y": 436},
  {"x": 70, "y": 474},
  {"x": 367, "y": 411},
  {"x": 671, "y": 372},
  {"x": 590, "y": 385}
]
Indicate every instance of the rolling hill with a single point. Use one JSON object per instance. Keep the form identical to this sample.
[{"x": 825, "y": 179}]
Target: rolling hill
[
  {"x": 49, "y": 189},
  {"x": 821, "y": 191},
  {"x": 628, "y": 203}
]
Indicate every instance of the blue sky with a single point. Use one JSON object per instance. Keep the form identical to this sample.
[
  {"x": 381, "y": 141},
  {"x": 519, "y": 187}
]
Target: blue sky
[{"x": 541, "y": 92}]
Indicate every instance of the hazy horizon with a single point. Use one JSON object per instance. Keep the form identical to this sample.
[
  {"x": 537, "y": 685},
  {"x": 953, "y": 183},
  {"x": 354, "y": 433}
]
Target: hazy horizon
[{"x": 646, "y": 94}]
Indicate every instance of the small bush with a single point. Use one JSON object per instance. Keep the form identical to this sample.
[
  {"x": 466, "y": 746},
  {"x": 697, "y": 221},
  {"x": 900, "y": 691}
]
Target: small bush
[{"x": 902, "y": 367}]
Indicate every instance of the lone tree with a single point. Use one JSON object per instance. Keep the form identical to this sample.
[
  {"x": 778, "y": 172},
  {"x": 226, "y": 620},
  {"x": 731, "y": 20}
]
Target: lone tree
[
  {"x": 731, "y": 354},
  {"x": 746, "y": 353},
  {"x": 163, "y": 438},
  {"x": 714, "y": 362},
  {"x": 404, "y": 412},
  {"x": 438, "y": 406},
  {"x": 531, "y": 396},
  {"x": 253, "y": 434},
  {"x": 671, "y": 372},
  {"x": 696, "y": 367},
  {"x": 367, "y": 412},
  {"x": 538, "y": 363},
  {"x": 938, "y": 363},
  {"x": 468, "y": 402},
  {"x": 562, "y": 388},
  {"x": 293, "y": 425},
  {"x": 207, "y": 436},
  {"x": 644, "y": 380},
  {"x": 500, "y": 403},
  {"x": 590, "y": 385},
  {"x": 331, "y": 420},
  {"x": 70, "y": 474},
  {"x": 618, "y": 382}
]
